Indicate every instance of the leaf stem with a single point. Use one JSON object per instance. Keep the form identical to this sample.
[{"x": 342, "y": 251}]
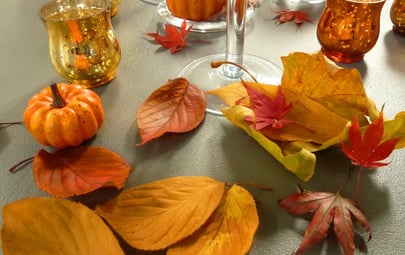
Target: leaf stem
[
  {"x": 216, "y": 64},
  {"x": 11, "y": 123},
  {"x": 254, "y": 185},
  {"x": 13, "y": 168},
  {"x": 357, "y": 189}
]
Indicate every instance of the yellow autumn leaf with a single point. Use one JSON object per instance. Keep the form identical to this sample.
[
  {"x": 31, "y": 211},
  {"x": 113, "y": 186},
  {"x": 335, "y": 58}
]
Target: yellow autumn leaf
[
  {"x": 55, "y": 226},
  {"x": 155, "y": 215},
  {"x": 340, "y": 90},
  {"x": 230, "y": 230}
]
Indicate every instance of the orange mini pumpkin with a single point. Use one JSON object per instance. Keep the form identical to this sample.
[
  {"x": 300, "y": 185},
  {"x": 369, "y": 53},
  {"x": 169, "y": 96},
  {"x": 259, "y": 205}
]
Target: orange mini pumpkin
[
  {"x": 198, "y": 10},
  {"x": 64, "y": 115}
]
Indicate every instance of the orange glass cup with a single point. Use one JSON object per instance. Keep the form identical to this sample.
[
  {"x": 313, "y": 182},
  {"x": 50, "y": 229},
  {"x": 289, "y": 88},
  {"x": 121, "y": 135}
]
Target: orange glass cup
[
  {"x": 347, "y": 29},
  {"x": 397, "y": 15}
]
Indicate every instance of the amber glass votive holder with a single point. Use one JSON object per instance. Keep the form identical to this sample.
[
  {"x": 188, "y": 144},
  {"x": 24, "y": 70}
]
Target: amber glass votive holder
[
  {"x": 348, "y": 29},
  {"x": 397, "y": 15}
]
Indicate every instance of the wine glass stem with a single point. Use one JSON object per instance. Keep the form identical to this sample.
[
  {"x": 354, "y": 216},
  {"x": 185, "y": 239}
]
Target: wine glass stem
[{"x": 235, "y": 37}]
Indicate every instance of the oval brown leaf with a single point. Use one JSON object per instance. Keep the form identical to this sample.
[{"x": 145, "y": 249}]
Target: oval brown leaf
[
  {"x": 155, "y": 215},
  {"x": 79, "y": 170},
  {"x": 177, "y": 107},
  {"x": 50, "y": 226},
  {"x": 230, "y": 230}
]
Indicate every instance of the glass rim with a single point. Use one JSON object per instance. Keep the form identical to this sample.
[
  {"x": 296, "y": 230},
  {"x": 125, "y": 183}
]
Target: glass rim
[{"x": 49, "y": 9}]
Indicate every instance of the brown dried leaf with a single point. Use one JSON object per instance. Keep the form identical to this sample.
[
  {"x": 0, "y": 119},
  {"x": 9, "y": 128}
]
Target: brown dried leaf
[
  {"x": 230, "y": 230},
  {"x": 177, "y": 107},
  {"x": 50, "y": 226},
  {"x": 156, "y": 215},
  {"x": 79, "y": 170}
]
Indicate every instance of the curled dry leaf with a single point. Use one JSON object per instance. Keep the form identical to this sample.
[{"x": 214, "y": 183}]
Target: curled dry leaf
[
  {"x": 230, "y": 230},
  {"x": 177, "y": 107},
  {"x": 156, "y": 215},
  {"x": 79, "y": 170},
  {"x": 50, "y": 226}
]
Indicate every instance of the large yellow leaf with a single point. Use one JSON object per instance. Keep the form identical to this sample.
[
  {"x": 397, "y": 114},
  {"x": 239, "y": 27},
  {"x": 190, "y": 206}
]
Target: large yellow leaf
[
  {"x": 230, "y": 230},
  {"x": 155, "y": 215},
  {"x": 54, "y": 226},
  {"x": 338, "y": 89}
]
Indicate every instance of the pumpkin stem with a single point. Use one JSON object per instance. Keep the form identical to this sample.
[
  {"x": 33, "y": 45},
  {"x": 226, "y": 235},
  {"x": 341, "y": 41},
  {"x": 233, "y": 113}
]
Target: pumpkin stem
[
  {"x": 57, "y": 98},
  {"x": 216, "y": 64},
  {"x": 13, "y": 168}
]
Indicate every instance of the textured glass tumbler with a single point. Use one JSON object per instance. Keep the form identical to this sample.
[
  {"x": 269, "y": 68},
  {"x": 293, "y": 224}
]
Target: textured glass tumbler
[
  {"x": 347, "y": 30},
  {"x": 397, "y": 14},
  {"x": 82, "y": 44}
]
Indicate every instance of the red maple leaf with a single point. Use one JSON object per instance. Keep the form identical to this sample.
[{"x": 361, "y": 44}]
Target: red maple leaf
[
  {"x": 268, "y": 112},
  {"x": 328, "y": 208},
  {"x": 368, "y": 150},
  {"x": 174, "y": 38},
  {"x": 298, "y": 17}
]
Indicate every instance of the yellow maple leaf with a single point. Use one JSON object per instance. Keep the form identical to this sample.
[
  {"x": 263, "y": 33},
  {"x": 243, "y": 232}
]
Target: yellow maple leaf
[
  {"x": 55, "y": 226},
  {"x": 230, "y": 230},
  {"x": 155, "y": 215}
]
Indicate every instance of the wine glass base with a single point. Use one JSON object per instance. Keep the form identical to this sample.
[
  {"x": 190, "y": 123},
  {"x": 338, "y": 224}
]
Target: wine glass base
[{"x": 200, "y": 73}]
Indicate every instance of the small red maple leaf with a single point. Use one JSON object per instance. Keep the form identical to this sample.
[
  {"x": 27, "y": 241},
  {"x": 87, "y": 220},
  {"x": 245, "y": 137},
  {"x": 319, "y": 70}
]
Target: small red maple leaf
[
  {"x": 327, "y": 208},
  {"x": 368, "y": 150},
  {"x": 298, "y": 17},
  {"x": 174, "y": 39},
  {"x": 268, "y": 112}
]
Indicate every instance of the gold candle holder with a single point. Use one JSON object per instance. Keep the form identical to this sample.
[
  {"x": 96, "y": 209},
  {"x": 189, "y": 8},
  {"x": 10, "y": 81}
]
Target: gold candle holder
[{"x": 82, "y": 44}]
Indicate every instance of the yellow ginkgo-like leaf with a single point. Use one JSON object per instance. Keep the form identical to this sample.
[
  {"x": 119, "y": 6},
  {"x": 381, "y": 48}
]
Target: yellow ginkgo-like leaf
[
  {"x": 155, "y": 215},
  {"x": 49, "y": 226},
  {"x": 230, "y": 230}
]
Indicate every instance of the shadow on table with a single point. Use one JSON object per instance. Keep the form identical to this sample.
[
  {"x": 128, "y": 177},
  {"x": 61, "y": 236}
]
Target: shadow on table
[{"x": 395, "y": 47}]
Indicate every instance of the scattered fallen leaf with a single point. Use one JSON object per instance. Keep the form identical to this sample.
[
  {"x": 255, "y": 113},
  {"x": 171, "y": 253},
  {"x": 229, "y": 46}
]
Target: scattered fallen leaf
[
  {"x": 79, "y": 170},
  {"x": 177, "y": 107},
  {"x": 156, "y": 215},
  {"x": 367, "y": 149},
  {"x": 329, "y": 209},
  {"x": 269, "y": 112},
  {"x": 298, "y": 17},
  {"x": 174, "y": 39},
  {"x": 230, "y": 230},
  {"x": 55, "y": 226}
]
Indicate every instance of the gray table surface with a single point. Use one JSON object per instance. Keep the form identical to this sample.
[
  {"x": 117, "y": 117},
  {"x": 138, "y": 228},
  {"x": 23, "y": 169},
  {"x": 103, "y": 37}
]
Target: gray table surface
[{"x": 216, "y": 148}]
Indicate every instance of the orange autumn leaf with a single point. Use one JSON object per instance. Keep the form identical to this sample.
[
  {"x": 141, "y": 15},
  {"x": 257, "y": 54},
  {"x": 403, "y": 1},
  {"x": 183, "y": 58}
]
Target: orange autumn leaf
[
  {"x": 230, "y": 230},
  {"x": 156, "y": 215},
  {"x": 177, "y": 107},
  {"x": 79, "y": 170},
  {"x": 50, "y": 226}
]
